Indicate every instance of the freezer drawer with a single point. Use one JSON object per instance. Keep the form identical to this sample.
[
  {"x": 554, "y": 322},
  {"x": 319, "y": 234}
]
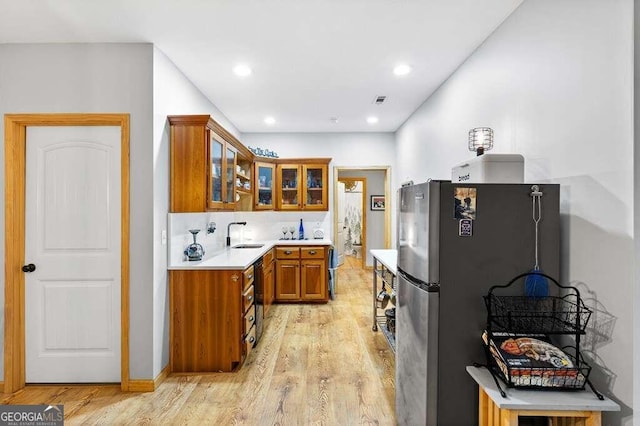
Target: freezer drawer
[{"x": 416, "y": 354}]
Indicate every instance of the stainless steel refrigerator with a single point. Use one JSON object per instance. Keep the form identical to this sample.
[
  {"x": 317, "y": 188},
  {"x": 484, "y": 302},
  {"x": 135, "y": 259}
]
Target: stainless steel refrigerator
[{"x": 454, "y": 242}]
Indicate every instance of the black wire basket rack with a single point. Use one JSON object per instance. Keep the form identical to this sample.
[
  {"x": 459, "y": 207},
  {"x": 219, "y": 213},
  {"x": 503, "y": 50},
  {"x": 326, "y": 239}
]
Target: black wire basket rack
[{"x": 533, "y": 325}]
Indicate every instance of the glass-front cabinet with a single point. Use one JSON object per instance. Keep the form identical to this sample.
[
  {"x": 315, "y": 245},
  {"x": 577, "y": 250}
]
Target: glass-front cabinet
[
  {"x": 222, "y": 174},
  {"x": 203, "y": 159},
  {"x": 216, "y": 149},
  {"x": 265, "y": 174},
  {"x": 315, "y": 193},
  {"x": 289, "y": 197},
  {"x": 303, "y": 186}
]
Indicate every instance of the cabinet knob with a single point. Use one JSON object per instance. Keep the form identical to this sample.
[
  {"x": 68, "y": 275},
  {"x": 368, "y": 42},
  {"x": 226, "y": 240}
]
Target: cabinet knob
[
  {"x": 251, "y": 318},
  {"x": 250, "y": 298},
  {"x": 287, "y": 252},
  {"x": 252, "y": 339},
  {"x": 312, "y": 252},
  {"x": 250, "y": 276}
]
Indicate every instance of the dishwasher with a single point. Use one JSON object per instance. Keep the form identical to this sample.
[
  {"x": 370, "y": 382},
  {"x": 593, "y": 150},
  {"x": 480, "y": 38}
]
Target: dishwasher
[{"x": 258, "y": 288}]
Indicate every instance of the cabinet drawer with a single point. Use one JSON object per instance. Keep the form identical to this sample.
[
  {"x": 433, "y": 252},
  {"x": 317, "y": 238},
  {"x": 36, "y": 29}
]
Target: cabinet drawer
[
  {"x": 249, "y": 318},
  {"x": 267, "y": 258},
  {"x": 247, "y": 299},
  {"x": 249, "y": 340},
  {"x": 248, "y": 277},
  {"x": 312, "y": 252},
  {"x": 287, "y": 252}
]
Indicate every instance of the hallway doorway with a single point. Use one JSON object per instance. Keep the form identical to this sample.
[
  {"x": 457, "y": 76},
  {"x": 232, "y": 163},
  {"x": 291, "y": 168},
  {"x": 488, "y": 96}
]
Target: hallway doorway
[
  {"x": 354, "y": 224},
  {"x": 377, "y": 234}
]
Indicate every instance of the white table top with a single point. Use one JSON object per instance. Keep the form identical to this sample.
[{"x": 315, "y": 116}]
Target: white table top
[
  {"x": 547, "y": 400},
  {"x": 388, "y": 258}
]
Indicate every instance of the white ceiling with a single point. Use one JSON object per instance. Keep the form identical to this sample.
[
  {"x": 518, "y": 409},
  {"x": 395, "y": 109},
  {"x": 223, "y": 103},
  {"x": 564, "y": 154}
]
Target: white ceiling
[{"x": 312, "y": 59}]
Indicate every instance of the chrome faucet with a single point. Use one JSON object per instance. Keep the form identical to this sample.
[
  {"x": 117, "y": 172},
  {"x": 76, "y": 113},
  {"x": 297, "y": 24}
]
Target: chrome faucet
[{"x": 228, "y": 227}]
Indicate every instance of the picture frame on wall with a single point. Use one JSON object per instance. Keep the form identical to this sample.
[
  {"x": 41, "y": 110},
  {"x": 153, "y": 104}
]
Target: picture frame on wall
[{"x": 377, "y": 202}]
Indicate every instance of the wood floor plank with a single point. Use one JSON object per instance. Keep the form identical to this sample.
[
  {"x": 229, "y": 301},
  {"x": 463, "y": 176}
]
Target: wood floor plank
[{"x": 316, "y": 364}]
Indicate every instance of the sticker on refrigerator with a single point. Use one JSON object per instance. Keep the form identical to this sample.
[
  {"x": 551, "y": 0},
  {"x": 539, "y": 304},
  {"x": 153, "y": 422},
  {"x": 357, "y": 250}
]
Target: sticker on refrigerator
[
  {"x": 465, "y": 203},
  {"x": 465, "y": 228}
]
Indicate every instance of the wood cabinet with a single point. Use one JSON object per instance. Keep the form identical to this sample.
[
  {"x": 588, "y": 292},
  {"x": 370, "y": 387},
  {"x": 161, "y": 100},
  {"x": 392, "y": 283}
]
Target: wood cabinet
[
  {"x": 203, "y": 159},
  {"x": 302, "y": 184},
  {"x": 268, "y": 280},
  {"x": 212, "y": 319},
  {"x": 301, "y": 274},
  {"x": 265, "y": 181}
]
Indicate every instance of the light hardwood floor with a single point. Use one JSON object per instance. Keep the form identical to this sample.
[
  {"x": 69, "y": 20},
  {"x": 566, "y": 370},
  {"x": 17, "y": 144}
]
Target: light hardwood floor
[{"x": 315, "y": 364}]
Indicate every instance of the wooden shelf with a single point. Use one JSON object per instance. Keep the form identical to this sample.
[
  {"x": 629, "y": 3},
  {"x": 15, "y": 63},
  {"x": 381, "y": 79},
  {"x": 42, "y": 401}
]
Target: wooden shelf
[
  {"x": 243, "y": 191},
  {"x": 243, "y": 176}
]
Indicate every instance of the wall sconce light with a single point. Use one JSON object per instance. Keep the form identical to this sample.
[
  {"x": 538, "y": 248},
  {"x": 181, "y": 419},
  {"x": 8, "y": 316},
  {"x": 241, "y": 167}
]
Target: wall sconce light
[{"x": 480, "y": 139}]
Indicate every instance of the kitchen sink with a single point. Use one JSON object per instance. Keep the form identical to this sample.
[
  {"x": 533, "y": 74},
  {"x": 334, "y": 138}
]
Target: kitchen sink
[{"x": 248, "y": 246}]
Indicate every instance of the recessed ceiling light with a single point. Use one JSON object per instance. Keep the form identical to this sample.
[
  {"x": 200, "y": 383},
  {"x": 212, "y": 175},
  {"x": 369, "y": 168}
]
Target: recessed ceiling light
[
  {"x": 242, "y": 70},
  {"x": 269, "y": 120},
  {"x": 402, "y": 69},
  {"x": 372, "y": 120}
]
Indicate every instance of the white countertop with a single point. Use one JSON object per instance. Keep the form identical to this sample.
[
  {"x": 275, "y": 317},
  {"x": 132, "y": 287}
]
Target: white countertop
[
  {"x": 230, "y": 258},
  {"x": 388, "y": 258},
  {"x": 547, "y": 400}
]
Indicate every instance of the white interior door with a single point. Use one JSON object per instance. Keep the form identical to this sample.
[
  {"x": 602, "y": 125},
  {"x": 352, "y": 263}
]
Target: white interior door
[
  {"x": 341, "y": 227},
  {"x": 73, "y": 237}
]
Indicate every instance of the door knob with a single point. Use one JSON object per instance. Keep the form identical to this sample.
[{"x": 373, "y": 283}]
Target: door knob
[{"x": 29, "y": 268}]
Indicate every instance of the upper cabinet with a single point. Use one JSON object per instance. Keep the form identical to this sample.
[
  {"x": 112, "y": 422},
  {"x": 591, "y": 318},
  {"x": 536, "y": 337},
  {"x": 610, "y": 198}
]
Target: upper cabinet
[
  {"x": 302, "y": 184},
  {"x": 212, "y": 170},
  {"x": 264, "y": 195},
  {"x": 204, "y": 172}
]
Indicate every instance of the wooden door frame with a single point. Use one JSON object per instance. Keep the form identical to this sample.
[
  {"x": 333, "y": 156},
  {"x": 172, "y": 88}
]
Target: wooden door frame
[
  {"x": 387, "y": 196},
  {"x": 15, "y": 141}
]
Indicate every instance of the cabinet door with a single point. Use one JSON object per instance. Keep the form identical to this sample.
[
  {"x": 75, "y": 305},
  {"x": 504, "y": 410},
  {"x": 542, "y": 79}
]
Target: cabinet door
[
  {"x": 230, "y": 176},
  {"x": 289, "y": 187},
  {"x": 287, "y": 280},
  {"x": 268, "y": 276},
  {"x": 222, "y": 174},
  {"x": 265, "y": 180},
  {"x": 206, "y": 320},
  {"x": 216, "y": 173},
  {"x": 315, "y": 191},
  {"x": 314, "y": 280}
]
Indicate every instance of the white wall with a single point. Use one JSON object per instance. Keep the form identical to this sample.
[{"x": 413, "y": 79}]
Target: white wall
[
  {"x": 95, "y": 78},
  {"x": 173, "y": 94},
  {"x": 636, "y": 204},
  {"x": 555, "y": 83}
]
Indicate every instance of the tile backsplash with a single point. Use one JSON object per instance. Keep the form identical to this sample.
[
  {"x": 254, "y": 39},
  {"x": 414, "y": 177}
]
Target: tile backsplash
[{"x": 260, "y": 226}]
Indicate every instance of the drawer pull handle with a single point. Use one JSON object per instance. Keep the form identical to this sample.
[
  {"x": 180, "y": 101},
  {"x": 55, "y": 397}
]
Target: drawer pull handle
[
  {"x": 288, "y": 252},
  {"x": 252, "y": 339},
  {"x": 250, "y": 298},
  {"x": 312, "y": 252},
  {"x": 251, "y": 318},
  {"x": 250, "y": 276}
]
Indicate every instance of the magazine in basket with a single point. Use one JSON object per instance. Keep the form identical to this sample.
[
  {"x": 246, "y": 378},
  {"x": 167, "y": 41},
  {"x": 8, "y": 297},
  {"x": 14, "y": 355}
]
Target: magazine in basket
[{"x": 532, "y": 361}]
